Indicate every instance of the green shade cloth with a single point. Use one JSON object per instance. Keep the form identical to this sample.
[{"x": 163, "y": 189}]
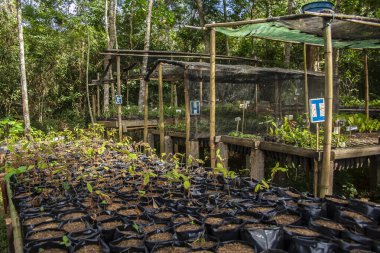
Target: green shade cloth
[{"x": 279, "y": 31}]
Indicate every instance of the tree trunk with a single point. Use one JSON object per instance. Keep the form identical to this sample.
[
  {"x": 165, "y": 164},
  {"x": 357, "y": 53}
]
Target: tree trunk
[
  {"x": 145, "y": 58},
  {"x": 202, "y": 20},
  {"x": 87, "y": 89},
  {"x": 225, "y": 20},
  {"x": 24, "y": 86}
]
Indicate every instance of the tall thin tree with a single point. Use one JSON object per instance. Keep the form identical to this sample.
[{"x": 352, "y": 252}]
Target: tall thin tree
[
  {"x": 145, "y": 58},
  {"x": 24, "y": 86},
  {"x": 202, "y": 20}
]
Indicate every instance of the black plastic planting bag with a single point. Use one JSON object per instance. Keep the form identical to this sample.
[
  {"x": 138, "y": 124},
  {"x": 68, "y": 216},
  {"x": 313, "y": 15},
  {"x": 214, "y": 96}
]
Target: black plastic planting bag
[
  {"x": 346, "y": 246},
  {"x": 273, "y": 251},
  {"x": 371, "y": 210},
  {"x": 98, "y": 242},
  {"x": 227, "y": 231},
  {"x": 264, "y": 238},
  {"x": 89, "y": 234},
  {"x": 373, "y": 232},
  {"x": 326, "y": 230},
  {"x": 309, "y": 209},
  {"x": 39, "y": 247},
  {"x": 333, "y": 203},
  {"x": 353, "y": 222},
  {"x": 47, "y": 235},
  {"x": 137, "y": 245},
  {"x": 311, "y": 245},
  {"x": 191, "y": 234}
]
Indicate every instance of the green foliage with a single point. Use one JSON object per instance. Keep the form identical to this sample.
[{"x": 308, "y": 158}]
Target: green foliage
[
  {"x": 264, "y": 184},
  {"x": 10, "y": 128},
  {"x": 241, "y": 135},
  {"x": 361, "y": 121},
  {"x": 65, "y": 241}
]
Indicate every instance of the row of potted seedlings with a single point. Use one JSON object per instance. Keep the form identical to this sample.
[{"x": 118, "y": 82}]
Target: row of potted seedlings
[{"x": 118, "y": 205}]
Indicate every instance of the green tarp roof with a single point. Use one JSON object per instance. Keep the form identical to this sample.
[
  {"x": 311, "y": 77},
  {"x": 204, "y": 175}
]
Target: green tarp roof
[{"x": 309, "y": 30}]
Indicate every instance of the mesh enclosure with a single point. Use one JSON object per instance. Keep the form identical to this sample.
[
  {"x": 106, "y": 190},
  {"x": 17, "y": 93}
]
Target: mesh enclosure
[{"x": 267, "y": 92}]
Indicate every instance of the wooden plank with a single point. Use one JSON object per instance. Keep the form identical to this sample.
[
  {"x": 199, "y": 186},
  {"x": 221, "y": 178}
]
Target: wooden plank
[
  {"x": 238, "y": 141},
  {"x": 356, "y": 152},
  {"x": 17, "y": 235},
  {"x": 288, "y": 149}
]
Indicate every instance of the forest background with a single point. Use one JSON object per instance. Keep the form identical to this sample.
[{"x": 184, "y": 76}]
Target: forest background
[{"x": 58, "y": 33}]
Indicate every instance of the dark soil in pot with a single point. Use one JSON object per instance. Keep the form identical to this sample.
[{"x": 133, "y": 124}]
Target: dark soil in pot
[
  {"x": 101, "y": 217},
  {"x": 160, "y": 237},
  {"x": 45, "y": 235},
  {"x": 181, "y": 219},
  {"x": 171, "y": 249},
  {"x": 165, "y": 216},
  {"x": 234, "y": 247},
  {"x": 154, "y": 227},
  {"x": 302, "y": 231},
  {"x": 108, "y": 225},
  {"x": 135, "y": 243},
  {"x": 45, "y": 225},
  {"x": 72, "y": 216},
  {"x": 92, "y": 248},
  {"x": 129, "y": 212},
  {"x": 286, "y": 219},
  {"x": 75, "y": 226},
  {"x": 203, "y": 244},
  {"x": 37, "y": 220},
  {"x": 213, "y": 221}
]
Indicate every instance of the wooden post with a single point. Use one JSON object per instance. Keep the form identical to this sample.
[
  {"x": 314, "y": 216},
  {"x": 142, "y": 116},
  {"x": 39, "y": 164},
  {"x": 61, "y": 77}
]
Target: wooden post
[
  {"x": 17, "y": 235},
  {"x": 127, "y": 89},
  {"x": 172, "y": 94},
  {"x": 315, "y": 176},
  {"x": 187, "y": 111},
  {"x": 98, "y": 97},
  {"x": 366, "y": 85},
  {"x": 94, "y": 105},
  {"x": 276, "y": 96},
  {"x": 119, "y": 94},
  {"x": 256, "y": 161},
  {"x": 326, "y": 162},
  {"x": 212, "y": 97},
  {"x": 257, "y": 98},
  {"x": 306, "y": 85},
  {"x": 146, "y": 112},
  {"x": 161, "y": 110}
]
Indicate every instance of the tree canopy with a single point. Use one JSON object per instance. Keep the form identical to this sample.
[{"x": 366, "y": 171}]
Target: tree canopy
[{"x": 56, "y": 32}]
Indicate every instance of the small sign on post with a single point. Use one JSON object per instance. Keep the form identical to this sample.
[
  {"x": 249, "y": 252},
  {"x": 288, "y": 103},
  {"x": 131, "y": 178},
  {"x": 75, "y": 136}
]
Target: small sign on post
[
  {"x": 317, "y": 110},
  {"x": 317, "y": 114},
  {"x": 195, "y": 107},
  {"x": 119, "y": 99}
]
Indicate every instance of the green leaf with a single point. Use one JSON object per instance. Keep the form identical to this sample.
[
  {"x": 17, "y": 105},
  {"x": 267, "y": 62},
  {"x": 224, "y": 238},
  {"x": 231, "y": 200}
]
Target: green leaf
[
  {"x": 89, "y": 187},
  {"x": 146, "y": 179},
  {"x": 186, "y": 185}
]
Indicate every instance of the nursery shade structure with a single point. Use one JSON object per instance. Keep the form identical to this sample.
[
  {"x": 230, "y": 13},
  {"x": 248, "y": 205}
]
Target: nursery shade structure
[
  {"x": 309, "y": 28},
  {"x": 234, "y": 83}
]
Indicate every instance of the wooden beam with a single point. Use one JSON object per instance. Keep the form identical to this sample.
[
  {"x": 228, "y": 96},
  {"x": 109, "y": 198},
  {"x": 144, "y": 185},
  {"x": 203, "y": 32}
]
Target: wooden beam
[
  {"x": 161, "y": 124},
  {"x": 306, "y": 85},
  {"x": 17, "y": 235},
  {"x": 326, "y": 162},
  {"x": 363, "y": 151},
  {"x": 212, "y": 97},
  {"x": 288, "y": 149},
  {"x": 98, "y": 98},
  {"x": 244, "y": 142},
  {"x": 119, "y": 94},
  {"x": 146, "y": 112},
  {"x": 187, "y": 111},
  {"x": 366, "y": 85}
]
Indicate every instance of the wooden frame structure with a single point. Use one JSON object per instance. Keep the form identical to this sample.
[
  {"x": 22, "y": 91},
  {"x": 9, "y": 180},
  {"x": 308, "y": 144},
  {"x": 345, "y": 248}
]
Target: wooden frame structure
[{"x": 327, "y": 18}]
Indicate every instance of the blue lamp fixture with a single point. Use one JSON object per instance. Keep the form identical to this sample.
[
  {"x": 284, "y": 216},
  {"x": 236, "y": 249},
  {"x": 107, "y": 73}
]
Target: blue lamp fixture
[{"x": 318, "y": 6}]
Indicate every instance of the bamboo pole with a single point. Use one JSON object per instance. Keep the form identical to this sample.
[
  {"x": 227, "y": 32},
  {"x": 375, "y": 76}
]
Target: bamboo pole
[
  {"x": 366, "y": 85},
  {"x": 17, "y": 235},
  {"x": 94, "y": 105},
  {"x": 172, "y": 94},
  {"x": 187, "y": 112},
  {"x": 119, "y": 94},
  {"x": 326, "y": 162},
  {"x": 161, "y": 109},
  {"x": 306, "y": 85},
  {"x": 146, "y": 112},
  {"x": 212, "y": 97},
  {"x": 98, "y": 97}
]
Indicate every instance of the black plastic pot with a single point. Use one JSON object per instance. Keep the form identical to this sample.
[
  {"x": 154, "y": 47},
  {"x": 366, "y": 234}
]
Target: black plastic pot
[
  {"x": 354, "y": 223},
  {"x": 151, "y": 243},
  {"x": 309, "y": 209},
  {"x": 373, "y": 232},
  {"x": 135, "y": 245},
  {"x": 247, "y": 247},
  {"x": 50, "y": 235},
  {"x": 224, "y": 233},
  {"x": 311, "y": 245},
  {"x": 108, "y": 233},
  {"x": 98, "y": 242},
  {"x": 195, "y": 231},
  {"x": 371, "y": 210},
  {"x": 263, "y": 238},
  {"x": 333, "y": 203},
  {"x": 39, "y": 247},
  {"x": 327, "y": 230},
  {"x": 89, "y": 234}
]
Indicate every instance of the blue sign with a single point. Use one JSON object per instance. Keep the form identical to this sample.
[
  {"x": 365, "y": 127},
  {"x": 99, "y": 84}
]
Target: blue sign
[
  {"x": 317, "y": 110},
  {"x": 119, "y": 99},
  {"x": 195, "y": 107}
]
